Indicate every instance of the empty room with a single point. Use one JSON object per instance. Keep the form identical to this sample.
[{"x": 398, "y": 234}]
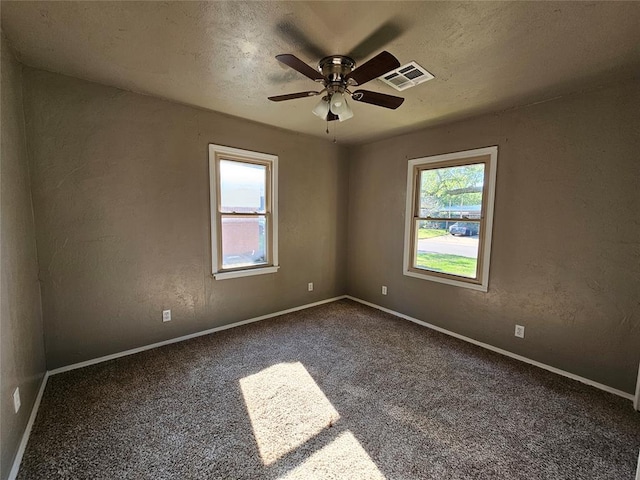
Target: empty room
[{"x": 320, "y": 240}]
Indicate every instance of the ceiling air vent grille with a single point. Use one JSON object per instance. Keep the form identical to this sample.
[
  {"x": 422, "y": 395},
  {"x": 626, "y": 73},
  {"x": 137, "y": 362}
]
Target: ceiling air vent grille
[{"x": 406, "y": 76}]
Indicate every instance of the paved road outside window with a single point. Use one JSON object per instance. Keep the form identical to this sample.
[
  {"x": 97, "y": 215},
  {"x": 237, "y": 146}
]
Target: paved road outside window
[{"x": 449, "y": 244}]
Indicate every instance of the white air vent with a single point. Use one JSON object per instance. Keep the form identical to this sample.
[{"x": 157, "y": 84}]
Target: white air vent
[{"x": 406, "y": 76}]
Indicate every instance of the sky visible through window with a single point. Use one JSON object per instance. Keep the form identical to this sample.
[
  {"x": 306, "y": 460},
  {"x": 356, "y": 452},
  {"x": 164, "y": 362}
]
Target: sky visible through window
[{"x": 242, "y": 186}]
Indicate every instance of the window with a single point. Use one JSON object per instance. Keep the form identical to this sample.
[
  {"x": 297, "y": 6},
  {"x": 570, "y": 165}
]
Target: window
[
  {"x": 244, "y": 212},
  {"x": 449, "y": 217}
]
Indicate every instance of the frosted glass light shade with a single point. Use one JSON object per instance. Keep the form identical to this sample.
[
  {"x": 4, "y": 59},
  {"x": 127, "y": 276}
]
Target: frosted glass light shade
[
  {"x": 340, "y": 107},
  {"x": 321, "y": 109},
  {"x": 338, "y": 103},
  {"x": 347, "y": 113}
]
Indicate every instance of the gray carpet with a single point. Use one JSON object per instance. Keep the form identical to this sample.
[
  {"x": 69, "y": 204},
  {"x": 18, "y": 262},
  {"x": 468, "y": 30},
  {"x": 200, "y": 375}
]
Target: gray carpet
[{"x": 336, "y": 391}]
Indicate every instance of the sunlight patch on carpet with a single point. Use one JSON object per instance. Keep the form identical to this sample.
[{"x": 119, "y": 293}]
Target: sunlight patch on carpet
[
  {"x": 286, "y": 408},
  {"x": 342, "y": 458}
]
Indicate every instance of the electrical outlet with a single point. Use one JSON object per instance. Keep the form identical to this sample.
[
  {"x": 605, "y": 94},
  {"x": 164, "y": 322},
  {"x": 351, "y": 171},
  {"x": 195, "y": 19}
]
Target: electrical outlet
[
  {"x": 16, "y": 399},
  {"x": 384, "y": 289},
  {"x": 519, "y": 331},
  {"x": 310, "y": 286},
  {"x": 166, "y": 315}
]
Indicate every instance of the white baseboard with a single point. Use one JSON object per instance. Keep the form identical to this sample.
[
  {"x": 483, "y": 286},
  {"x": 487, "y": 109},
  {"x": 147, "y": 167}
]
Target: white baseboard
[
  {"x": 34, "y": 411},
  {"x": 132, "y": 351},
  {"x": 27, "y": 431},
  {"x": 636, "y": 405},
  {"x": 507, "y": 353},
  {"x": 36, "y": 405}
]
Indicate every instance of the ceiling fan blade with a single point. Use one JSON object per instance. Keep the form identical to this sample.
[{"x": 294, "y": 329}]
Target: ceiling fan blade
[
  {"x": 331, "y": 117},
  {"x": 291, "y": 96},
  {"x": 381, "y": 36},
  {"x": 281, "y": 78},
  {"x": 379, "y": 99},
  {"x": 378, "y": 65},
  {"x": 292, "y": 34},
  {"x": 298, "y": 65}
]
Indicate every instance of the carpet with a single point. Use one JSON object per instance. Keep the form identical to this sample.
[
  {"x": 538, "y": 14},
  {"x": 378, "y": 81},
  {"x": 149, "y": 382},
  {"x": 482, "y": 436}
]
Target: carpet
[{"x": 339, "y": 391}]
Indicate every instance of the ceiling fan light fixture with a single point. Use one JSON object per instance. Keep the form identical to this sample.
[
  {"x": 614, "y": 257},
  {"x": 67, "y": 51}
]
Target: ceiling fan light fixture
[
  {"x": 322, "y": 108},
  {"x": 337, "y": 73}
]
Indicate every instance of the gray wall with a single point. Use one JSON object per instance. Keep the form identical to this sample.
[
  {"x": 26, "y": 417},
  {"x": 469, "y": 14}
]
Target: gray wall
[
  {"x": 565, "y": 261},
  {"x": 121, "y": 198},
  {"x": 21, "y": 335},
  {"x": 120, "y": 189}
]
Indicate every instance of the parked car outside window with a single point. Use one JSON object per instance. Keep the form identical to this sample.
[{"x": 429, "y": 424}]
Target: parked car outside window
[{"x": 464, "y": 229}]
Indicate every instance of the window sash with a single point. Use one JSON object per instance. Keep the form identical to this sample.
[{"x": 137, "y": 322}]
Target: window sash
[
  {"x": 417, "y": 171},
  {"x": 250, "y": 161},
  {"x": 267, "y": 246},
  {"x": 486, "y": 156},
  {"x": 223, "y": 213},
  {"x": 414, "y": 257}
]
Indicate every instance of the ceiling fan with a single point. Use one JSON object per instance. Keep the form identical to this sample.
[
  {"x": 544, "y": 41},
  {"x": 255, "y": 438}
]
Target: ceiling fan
[{"x": 337, "y": 74}]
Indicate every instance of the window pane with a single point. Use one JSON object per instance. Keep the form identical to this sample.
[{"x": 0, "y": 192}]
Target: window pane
[
  {"x": 447, "y": 247},
  {"x": 242, "y": 187},
  {"x": 243, "y": 241},
  {"x": 451, "y": 192}
]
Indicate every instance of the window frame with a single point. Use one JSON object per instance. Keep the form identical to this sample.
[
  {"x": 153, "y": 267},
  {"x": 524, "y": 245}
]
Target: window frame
[
  {"x": 216, "y": 154},
  {"x": 488, "y": 156}
]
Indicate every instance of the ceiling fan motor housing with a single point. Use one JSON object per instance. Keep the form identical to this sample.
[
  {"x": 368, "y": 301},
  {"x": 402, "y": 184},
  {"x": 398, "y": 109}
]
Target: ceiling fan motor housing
[{"x": 335, "y": 68}]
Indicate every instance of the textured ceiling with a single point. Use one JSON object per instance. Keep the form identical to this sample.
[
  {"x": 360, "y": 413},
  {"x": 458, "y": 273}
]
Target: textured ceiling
[{"x": 486, "y": 56}]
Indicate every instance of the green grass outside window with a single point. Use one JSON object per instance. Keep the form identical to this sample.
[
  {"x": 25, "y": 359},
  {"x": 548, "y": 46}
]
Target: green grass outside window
[{"x": 451, "y": 264}]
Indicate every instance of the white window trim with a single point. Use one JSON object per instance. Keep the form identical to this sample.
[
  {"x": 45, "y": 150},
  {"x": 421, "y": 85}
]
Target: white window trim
[
  {"x": 492, "y": 165},
  {"x": 215, "y": 150}
]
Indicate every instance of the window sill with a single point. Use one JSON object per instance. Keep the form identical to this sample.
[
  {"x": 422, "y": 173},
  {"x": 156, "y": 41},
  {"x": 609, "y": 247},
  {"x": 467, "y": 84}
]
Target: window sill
[
  {"x": 449, "y": 281},
  {"x": 245, "y": 273}
]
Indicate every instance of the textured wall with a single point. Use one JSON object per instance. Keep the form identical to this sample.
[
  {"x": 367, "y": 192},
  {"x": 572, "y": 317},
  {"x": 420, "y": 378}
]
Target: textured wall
[
  {"x": 122, "y": 213},
  {"x": 121, "y": 198},
  {"x": 566, "y": 239},
  {"x": 21, "y": 338}
]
